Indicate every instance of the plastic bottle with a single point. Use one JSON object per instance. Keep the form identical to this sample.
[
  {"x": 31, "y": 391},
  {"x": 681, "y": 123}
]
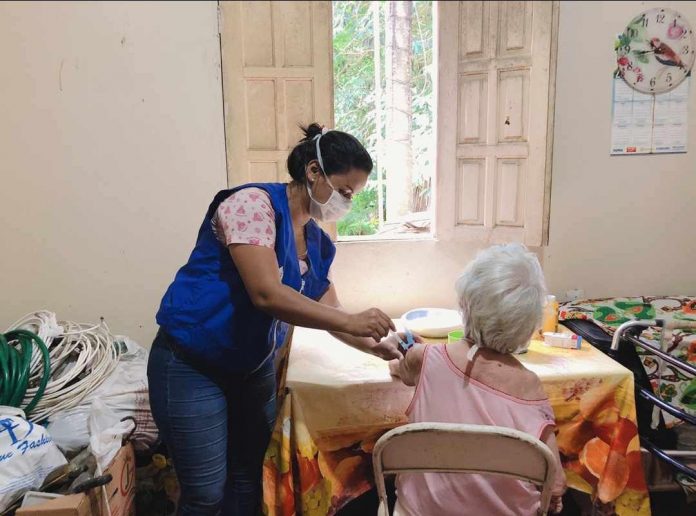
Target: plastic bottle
[{"x": 550, "y": 319}]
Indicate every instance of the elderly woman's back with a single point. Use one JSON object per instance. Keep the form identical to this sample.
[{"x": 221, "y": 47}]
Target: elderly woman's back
[{"x": 478, "y": 381}]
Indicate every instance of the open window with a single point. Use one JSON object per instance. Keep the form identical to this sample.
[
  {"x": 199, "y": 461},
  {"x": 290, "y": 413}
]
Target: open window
[
  {"x": 454, "y": 100},
  {"x": 384, "y": 95}
]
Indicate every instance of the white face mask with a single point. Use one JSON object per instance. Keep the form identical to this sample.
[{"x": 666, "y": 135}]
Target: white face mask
[{"x": 336, "y": 206}]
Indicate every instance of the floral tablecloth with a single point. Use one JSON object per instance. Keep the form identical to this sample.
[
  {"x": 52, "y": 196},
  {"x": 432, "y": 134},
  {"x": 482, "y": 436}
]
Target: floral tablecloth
[
  {"x": 340, "y": 401},
  {"x": 609, "y": 313}
]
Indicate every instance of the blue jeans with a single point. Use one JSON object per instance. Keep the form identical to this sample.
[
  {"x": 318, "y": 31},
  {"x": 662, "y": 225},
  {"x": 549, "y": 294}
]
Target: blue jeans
[{"x": 216, "y": 426}]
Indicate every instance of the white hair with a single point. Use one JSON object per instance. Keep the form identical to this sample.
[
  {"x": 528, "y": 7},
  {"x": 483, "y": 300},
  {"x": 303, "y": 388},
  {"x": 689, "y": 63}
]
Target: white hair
[{"x": 502, "y": 294}]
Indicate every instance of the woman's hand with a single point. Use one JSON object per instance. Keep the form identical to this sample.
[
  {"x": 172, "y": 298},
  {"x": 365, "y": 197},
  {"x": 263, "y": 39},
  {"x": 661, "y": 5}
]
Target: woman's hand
[
  {"x": 390, "y": 349},
  {"x": 408, "y": 367},
  {"x": 387, "y": 349},
  {"x": 371, "y": 323},
  {"x": 366, "y": 330},
  {"x": 417, "y": 339},
  {"x": 556, "y": 505}
]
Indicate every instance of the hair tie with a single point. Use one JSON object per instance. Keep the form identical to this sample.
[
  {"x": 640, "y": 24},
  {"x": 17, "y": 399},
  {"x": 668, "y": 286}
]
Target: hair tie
[{"x": 324, "y": 130}]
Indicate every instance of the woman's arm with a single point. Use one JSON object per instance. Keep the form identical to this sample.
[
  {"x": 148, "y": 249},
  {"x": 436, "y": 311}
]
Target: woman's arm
[
  {"x": 410, "y": 365},
  {"x": 258, "y": 268},
  {"x": 387, "y": 349},
  {"x": 559, "y": 486}
]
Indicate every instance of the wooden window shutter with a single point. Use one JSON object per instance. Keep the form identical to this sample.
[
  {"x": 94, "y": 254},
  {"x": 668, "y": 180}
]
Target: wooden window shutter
[
  {"x": 277, "y": 73},
  {"x": 494, "y": 84}
]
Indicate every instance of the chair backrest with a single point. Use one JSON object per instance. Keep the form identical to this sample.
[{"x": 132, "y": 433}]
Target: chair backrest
[{"x": 454, "y": 448}]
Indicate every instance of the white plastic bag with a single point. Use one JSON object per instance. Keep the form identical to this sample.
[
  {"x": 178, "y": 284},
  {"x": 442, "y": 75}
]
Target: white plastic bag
[
  {"x": 27, "y": 455},
  {"x": 106, "y": 433},
  {"x": 124, "y": 392},
  {"x": 69, "y": 429}
]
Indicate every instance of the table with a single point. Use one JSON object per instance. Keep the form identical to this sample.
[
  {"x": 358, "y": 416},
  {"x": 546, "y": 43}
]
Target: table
[{"x": 340, "y": 401}]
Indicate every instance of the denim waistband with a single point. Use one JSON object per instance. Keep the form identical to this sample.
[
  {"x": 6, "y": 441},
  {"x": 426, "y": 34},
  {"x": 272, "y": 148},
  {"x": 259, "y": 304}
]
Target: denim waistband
[{"x": 166, "y": 341}]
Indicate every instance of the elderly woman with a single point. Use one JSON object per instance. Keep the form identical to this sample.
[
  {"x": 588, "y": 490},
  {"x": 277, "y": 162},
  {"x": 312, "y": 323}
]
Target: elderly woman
[{"x": 479, "y": 381}]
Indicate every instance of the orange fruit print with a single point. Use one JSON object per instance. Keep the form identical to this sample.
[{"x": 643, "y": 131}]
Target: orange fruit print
[
  {"x": 594, "y": 456},
  {"x": 613, "y": 482},
  {"x": 599, "y": 437},
  {"x": 636, "y": 479}
]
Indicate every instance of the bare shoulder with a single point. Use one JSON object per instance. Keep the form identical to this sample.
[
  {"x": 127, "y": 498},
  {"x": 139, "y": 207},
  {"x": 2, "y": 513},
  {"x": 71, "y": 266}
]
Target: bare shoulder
[
  {"x": 512, "y": 379},
  {"x": 530, "y": 385}
]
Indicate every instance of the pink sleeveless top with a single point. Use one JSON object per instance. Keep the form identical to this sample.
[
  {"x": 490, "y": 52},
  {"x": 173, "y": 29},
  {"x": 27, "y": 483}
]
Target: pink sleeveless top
[{"x": 445, "y": 394}]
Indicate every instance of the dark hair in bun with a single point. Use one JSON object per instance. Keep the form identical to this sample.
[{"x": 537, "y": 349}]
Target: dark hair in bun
[{"x": 340, "y": 153}]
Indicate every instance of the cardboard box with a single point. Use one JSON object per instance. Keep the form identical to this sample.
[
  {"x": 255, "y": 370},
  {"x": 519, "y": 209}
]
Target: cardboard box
[{"x": 119, "y": 493}]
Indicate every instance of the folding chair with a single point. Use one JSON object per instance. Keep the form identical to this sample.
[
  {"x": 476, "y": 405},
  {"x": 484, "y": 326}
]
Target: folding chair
[{"x": 453, "y": 448}]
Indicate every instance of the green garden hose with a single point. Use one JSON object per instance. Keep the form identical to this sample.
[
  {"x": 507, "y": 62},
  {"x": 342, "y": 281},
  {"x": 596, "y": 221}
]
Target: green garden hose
[{"x": 16, "y": 348}]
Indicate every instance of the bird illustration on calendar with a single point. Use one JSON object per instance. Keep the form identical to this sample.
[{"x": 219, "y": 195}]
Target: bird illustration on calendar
[{"x": 656, "y": 51}]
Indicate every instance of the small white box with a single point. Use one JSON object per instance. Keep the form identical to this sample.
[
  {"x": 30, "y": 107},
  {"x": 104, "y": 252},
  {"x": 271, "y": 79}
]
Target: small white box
[
  {"x": 32, "y": 498},
  {"x": 562, "y": 340}
]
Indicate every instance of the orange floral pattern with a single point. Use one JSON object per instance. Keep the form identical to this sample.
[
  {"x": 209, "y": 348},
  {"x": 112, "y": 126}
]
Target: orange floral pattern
[{"x": 596, "y": 443}]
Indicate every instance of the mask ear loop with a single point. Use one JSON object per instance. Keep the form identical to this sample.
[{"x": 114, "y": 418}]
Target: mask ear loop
[
  {"x": 324, "y": 130},
  {"x": 470, "y": 355},
  {"x": 321, "y": 161},
  {"x": 472, "y": 351}
]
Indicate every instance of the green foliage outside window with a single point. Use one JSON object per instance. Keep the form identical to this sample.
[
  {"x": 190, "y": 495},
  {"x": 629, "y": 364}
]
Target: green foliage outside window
[{"x": 355, "y": 100}]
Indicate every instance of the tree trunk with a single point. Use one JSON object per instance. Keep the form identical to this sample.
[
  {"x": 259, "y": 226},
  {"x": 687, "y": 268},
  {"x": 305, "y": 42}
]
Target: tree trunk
[
  {"x": 398, "y": 108},
  {"x": 377, "y": 53}
]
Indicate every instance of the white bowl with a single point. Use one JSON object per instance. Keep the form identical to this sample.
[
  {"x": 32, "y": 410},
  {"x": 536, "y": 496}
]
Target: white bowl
[{"x": 435, "y": 323}]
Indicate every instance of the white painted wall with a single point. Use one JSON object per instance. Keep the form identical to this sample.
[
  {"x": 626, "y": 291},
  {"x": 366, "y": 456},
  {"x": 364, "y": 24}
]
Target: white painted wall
[
  {"x": 111, "y": 147},
  {"x": 620, "y": 225},
  {"x": 399, "y": 276}
]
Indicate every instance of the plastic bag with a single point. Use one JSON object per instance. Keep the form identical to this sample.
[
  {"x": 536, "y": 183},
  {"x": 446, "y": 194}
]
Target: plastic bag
[
  {"x": 106, "y": 433},
  {"x": 69, "y": 429},
  {"x": 124, "y": 392},
  {"x": 27, "y": 455}
]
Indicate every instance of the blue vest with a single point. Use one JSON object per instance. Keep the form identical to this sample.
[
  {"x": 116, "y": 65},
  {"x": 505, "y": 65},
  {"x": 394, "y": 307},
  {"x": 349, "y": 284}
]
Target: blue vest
[{"x": 207, "y": 309}]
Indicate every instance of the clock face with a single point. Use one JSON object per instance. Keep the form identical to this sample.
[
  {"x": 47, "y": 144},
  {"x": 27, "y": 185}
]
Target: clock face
[{"x": 656, "y": 51}]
